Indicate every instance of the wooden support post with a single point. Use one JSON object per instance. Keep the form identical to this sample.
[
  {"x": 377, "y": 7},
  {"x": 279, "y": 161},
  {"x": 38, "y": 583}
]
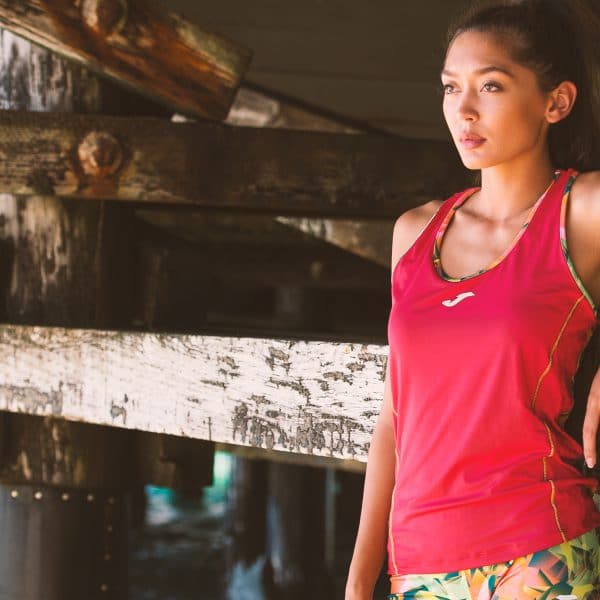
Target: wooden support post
[
  {"x": 246, "y": 518},
  {"x": 296, "y": 532},
  {"x": 296, "y": 503},
  {"x": 63, "y": 485},
  {"x": 172, "y": 461}
]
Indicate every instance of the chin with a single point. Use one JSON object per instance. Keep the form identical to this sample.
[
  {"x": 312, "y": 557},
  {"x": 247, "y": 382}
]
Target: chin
[{"x": 476, "y": 163}]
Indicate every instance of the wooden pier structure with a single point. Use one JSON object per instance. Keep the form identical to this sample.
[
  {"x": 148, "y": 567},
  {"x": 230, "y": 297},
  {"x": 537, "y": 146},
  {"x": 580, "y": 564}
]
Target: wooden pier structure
[{"x": 178, "y": 276}]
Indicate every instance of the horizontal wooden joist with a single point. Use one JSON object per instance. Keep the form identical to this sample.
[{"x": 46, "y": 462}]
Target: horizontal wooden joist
[
  {"x": 214, "y": 165},
  {"x": 369, "y": 238},
  {"x": 159, "y": 54},
  {"x": 307, "y": 397}
]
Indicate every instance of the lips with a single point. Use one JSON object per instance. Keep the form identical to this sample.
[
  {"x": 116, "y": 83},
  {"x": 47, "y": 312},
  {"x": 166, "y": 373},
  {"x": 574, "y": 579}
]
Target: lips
[
  {"x": 471, "y": 137},
  {"x": 471, "y": 140}
]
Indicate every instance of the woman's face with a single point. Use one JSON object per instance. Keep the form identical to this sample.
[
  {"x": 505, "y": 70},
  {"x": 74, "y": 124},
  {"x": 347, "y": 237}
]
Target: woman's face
[{"x": 488, "y": 95}]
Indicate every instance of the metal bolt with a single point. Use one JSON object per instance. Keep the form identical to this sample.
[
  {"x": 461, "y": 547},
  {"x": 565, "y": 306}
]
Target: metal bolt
[
  {"x": 38, "y": 495},
  {"x": 104, "y": 17},
  {"x": 65, "y": 496},
  {"x": 103, "y": 587},
  {"x": 14, "y": 493},
  {"x": 99, "y": 154},
  {"x": 90, "y": 497}
]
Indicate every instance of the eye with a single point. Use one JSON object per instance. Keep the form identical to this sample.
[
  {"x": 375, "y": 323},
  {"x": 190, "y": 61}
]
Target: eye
[
  {"x": 493, "y": 84},
  {"x": 444, "y": 88}
]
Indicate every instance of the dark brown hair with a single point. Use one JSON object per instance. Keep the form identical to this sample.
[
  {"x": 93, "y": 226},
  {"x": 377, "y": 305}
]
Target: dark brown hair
[{"x": 558, "y": 40}]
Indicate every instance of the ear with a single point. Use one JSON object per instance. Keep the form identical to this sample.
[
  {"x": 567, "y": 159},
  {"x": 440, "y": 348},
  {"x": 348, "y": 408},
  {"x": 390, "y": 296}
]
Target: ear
[{"x": 561, "y": 101}]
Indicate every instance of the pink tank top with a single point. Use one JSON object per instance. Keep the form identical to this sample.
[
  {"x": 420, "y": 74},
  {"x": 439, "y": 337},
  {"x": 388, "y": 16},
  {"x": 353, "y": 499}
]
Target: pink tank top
[{"x": 481, "y": 371}]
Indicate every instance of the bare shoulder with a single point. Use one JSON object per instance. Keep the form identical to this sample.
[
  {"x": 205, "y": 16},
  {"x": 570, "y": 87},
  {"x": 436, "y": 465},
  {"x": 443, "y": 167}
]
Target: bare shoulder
[
  {"x": 585, "y": 203},
  {"x": 586, "y": 190},
  {"x": 409, "y": 225},
  {"x": 584, "y": 219}
]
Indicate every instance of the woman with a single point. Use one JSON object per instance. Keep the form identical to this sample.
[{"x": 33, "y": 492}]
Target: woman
[{"x": 471, "y": 477}]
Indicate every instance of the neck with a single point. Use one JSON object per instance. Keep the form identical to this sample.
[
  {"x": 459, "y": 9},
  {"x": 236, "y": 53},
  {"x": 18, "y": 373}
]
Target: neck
[{"x": 508, "y": 190}]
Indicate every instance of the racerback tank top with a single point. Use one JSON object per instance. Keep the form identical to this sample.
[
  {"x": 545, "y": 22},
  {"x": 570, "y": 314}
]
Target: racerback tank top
[{"x": 481, "y": 371}]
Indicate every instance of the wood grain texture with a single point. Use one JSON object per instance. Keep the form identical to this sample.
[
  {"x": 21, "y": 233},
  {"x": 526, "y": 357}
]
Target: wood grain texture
[
  {"x": 55, "y": 264},
  {"x": 310, "y": 397},
  {"x": 213, "y": 165},
  {"x": 159, "y": 54}
]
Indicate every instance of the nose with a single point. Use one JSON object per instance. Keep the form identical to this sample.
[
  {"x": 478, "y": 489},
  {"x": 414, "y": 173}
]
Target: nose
[{"x": 466, "y": 106}]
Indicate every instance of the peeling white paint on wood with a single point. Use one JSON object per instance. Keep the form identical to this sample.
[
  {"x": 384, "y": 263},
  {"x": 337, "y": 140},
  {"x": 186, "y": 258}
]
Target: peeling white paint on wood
[{"x": 311, "y": 397}]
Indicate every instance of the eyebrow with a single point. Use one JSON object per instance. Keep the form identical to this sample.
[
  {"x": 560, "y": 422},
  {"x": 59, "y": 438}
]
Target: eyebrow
[{"x": 484, "y": 70}]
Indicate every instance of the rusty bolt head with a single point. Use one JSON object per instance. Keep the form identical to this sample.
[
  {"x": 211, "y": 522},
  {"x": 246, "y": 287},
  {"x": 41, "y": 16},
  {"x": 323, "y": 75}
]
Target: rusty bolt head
[
  {"x": 99, "y": 154},
  {"x": 104, "y": 17}
]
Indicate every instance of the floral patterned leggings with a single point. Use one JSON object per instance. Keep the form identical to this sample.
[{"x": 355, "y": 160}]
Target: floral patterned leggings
[{"x": 568, "y": 571}]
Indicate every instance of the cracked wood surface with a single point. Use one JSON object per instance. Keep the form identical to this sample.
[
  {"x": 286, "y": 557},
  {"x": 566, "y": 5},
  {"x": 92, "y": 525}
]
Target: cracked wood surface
[
  {"x": 307, "y": 397},
  {"x": 156, "y": 53}
]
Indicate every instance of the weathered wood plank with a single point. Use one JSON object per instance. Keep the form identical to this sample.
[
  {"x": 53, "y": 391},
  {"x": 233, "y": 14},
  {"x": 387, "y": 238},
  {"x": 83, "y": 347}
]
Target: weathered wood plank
[
  {"x": 314, "y": 460},
  {"x": 213, "y": 165},
  {"x": 311, "y": 397},
  {"x": 371, "y": 239},
  {"x": 158, "y": 54}
]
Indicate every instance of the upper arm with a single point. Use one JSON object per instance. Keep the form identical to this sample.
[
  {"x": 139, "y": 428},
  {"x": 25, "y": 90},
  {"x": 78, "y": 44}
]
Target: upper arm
[
  {"x": 582, "y": 226},
  {"x": 589, "y": 221}
]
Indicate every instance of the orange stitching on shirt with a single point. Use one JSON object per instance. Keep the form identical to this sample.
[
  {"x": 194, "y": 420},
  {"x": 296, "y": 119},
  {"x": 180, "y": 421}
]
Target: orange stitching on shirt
[
  {"x": 551, "y": 482},
  {"x": 554, "y": 346}
]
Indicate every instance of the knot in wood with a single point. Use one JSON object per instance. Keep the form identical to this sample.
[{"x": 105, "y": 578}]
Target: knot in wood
[
  {"x": 104, "y": 17},
  {"x": 99, "y": 154}
]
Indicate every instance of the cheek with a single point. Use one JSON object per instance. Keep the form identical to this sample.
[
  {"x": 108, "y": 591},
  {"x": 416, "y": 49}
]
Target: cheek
[{"x": 514, "y": 120}]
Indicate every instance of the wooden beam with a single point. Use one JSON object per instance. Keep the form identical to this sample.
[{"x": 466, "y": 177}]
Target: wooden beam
[
  {"x": 252, "y": 108},
  {"x": 314, "y": 264},
  {"x": 159, "y": 54},
  {"x": 370, "y": 239},
  {"x": 324, "y": 462},
  {"x": 317, "y": 397},
  {"x": 216, "y": 166}
]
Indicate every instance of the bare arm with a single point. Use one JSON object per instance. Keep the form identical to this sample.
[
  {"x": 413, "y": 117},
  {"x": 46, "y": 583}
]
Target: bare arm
[
  {"x": 369, "y": 548},
  {"x": 371, "y": 538}
]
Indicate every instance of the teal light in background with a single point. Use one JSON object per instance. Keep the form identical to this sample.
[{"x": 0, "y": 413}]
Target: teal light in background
[
  {"x": 216, "y": 494},
  {"x": 164, "y": 505}
]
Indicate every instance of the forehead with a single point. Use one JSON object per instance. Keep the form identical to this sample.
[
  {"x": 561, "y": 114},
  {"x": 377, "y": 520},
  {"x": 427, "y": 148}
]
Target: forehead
[{"x": 472, "y": 50}]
